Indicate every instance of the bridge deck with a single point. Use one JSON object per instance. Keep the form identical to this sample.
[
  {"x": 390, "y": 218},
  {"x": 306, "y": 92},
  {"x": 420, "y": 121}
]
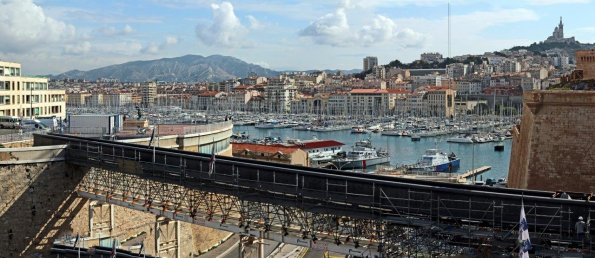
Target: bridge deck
[{"x": 395, "y": 201}]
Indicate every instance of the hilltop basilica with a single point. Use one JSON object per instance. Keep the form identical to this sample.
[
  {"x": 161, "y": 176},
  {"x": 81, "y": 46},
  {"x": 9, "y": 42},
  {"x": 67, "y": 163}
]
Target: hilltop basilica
[{"x": 558, "y": 35}]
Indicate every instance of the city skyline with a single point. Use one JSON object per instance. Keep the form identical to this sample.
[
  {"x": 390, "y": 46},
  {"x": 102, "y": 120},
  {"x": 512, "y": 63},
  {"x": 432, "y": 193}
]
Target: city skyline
[{"x": 54, "y": 36}]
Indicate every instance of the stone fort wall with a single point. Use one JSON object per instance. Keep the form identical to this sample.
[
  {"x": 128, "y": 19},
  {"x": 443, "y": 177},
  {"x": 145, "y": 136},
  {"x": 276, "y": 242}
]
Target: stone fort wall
[
  {"x": 585, "y": 60},
  {"x": 38, "y": 204},
  {"x": 554, "y": 146}
]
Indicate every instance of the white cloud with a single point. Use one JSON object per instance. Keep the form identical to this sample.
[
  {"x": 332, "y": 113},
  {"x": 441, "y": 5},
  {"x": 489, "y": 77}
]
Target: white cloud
[
  {"x": 330, "y": 29},
  {"x": 225, "y": 29},
  {"x": 254, "y": 23},
  {"x": 24, "y": 25},
  {"x": 153, "y": 48},
  {"x": 382, "y": 29},
  {"x": 113, "y": 31},
  {"x": 409, "y": 38},
  {"x": 128, "y": 48},
  {"x": 481, "y": 20},
  {"x": 77, "y": 49},
  {"x": 171, "y": 40},
  {"x": 553, "y": 2},
  {"x": 334, "y": 29},
  {"x": 263, "y": 64}
]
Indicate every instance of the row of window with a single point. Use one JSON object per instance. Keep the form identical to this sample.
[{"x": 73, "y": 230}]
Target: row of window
[
  {"x": 28, "y": 99},
  {"x": 37, "y": 111},
  {"x": 587, "y": 58},
  {"x": 10, "y": 71},
  {"x": 12, "y": 85}
]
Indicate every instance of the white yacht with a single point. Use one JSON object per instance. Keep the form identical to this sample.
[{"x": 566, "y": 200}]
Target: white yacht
[
  {"x": 268, "y": 124},
  {"x": 460, "y": 139},
  {"x": 358, "y": 129},
  {"x": 361, "y": 155}
]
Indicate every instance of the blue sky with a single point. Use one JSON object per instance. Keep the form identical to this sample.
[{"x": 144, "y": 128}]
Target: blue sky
[{"x": 54, "y": 36}]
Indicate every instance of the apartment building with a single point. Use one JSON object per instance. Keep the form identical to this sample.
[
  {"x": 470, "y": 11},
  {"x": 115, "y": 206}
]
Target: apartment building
[
  {"x": 278, "y": 95},
  {"x": 148, "y": 94},
  {"x": 28, "y": 96}
]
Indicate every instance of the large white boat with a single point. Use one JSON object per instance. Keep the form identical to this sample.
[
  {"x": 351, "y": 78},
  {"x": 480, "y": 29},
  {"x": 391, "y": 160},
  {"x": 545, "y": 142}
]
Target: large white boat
[
  {"x": 361, "y": 155},
  {"x": 433, "y": 160},
  {"x": 268, "y": 124},
  {"x": 460, "y": 139}
]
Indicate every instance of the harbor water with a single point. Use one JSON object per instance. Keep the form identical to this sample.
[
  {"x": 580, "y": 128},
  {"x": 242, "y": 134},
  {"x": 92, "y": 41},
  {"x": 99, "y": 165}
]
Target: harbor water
[{"x": 404, "y": 151}]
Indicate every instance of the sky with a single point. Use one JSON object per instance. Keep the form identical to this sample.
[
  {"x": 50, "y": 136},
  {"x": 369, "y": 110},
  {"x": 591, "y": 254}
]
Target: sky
[{"x": 55, "y": 36}]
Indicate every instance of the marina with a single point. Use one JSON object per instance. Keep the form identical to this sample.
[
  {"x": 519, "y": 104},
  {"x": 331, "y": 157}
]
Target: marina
[{"x": 402, "y": 150}]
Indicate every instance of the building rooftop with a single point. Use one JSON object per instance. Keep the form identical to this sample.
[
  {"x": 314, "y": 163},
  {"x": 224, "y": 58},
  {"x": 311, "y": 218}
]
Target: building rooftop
[
  {"x": 262, "y": 148},
  {"x": 368, "y": 91},
  {"x": 312, "y": 144}
]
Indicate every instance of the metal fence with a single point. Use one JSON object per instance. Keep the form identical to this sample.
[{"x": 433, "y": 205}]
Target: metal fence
[{"x": 20, "y": 136}]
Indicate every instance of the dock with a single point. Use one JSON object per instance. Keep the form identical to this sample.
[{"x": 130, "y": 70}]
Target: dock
[{"x": 462, "y": 178}]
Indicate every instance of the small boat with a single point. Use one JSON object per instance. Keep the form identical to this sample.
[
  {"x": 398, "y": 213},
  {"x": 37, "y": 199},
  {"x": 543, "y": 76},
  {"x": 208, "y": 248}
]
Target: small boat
[
  {"x": 433, "y": 160},
  {"x": 392, "y": 133},
  {"x": 358, "y": 129},
  {"x": 499, "y": 146},
  {"x": 415, "y": 138},
  {"x": 268, "y": 124}
]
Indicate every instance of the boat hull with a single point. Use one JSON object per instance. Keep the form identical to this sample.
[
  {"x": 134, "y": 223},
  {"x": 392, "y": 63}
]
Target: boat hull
[
  {"x": 360, "y": 163},
  {"x": 451, "y": 166}
]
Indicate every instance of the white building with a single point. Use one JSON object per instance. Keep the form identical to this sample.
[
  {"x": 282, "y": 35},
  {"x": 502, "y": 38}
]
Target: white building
[
  {"x": 28, "y": 96},
  {"x": 148, "y": 94},
  {"x": 278, "y": 95}
]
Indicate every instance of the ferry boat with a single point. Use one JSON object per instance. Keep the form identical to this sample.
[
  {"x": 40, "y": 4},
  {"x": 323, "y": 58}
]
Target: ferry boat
[
  {"x": 433, "y": 160},
  {"x": 361, "y": 155}
]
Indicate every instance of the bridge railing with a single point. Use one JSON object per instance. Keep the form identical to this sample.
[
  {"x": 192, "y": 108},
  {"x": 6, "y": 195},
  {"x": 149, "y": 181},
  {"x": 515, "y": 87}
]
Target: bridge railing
[{"x": 342, "y": 193}]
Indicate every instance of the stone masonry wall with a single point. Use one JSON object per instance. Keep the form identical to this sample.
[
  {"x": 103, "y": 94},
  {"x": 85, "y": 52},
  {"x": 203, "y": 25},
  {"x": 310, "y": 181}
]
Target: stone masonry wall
[
  {"x": 555, "y": 148},
  {"x": 38, "y": 204}
]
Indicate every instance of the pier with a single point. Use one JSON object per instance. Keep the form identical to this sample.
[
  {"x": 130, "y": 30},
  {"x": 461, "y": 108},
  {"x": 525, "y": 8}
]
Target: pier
[{"x": 462, "y": 178}]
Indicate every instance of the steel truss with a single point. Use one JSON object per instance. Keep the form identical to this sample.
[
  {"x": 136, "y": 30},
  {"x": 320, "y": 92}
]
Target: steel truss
[
  {"x": 302, "y": 226},
  {"x": 381, "y": 236},
  {"x": 343, "y": 212}
]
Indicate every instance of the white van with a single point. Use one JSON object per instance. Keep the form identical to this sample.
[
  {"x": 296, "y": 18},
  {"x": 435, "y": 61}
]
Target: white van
[
  {"x": 33, "y": 124},
  {"x": 50, "y": 121},
  {"x": 10, "y": 122}
]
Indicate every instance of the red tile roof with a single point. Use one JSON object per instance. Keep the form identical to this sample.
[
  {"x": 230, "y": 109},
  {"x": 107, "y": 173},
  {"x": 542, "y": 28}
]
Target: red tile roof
[
  {"x": 208, "y": 93},
  {"x": 321, "y": 144},
  {"x": 368, "y": 91},
  {"x": 308, "y": 145},
  {"x": 262, "y": 148},
  {"x": 398, "y": 91}
]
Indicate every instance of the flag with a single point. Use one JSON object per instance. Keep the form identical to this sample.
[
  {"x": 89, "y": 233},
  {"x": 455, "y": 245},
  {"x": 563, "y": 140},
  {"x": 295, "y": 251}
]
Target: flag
[
  {"x": 113, "y": 254},
  {"x": 212, "y": 162},
  {"x": 152, "y": 136},
  {"x": 142, "y": 247},
  {"x": 525, "y": 242},
  {"x": 76, "y": 240}
]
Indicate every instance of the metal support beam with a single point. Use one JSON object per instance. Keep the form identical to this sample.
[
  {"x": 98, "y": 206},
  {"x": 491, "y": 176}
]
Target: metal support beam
[
  {"x": 260, "y": 245},
  {"x": 101, "y": 219},
  {"x": 167, "y": 237}
]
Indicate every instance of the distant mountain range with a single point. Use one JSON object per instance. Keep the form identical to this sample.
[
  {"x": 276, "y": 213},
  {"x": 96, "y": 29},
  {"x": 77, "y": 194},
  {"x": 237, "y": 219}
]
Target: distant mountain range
[{"x": 188, "y": 68}]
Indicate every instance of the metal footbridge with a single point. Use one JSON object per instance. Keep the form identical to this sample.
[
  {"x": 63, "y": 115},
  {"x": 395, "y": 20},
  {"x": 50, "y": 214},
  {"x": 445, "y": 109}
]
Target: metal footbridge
[{"x": 356, "y": 214}]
